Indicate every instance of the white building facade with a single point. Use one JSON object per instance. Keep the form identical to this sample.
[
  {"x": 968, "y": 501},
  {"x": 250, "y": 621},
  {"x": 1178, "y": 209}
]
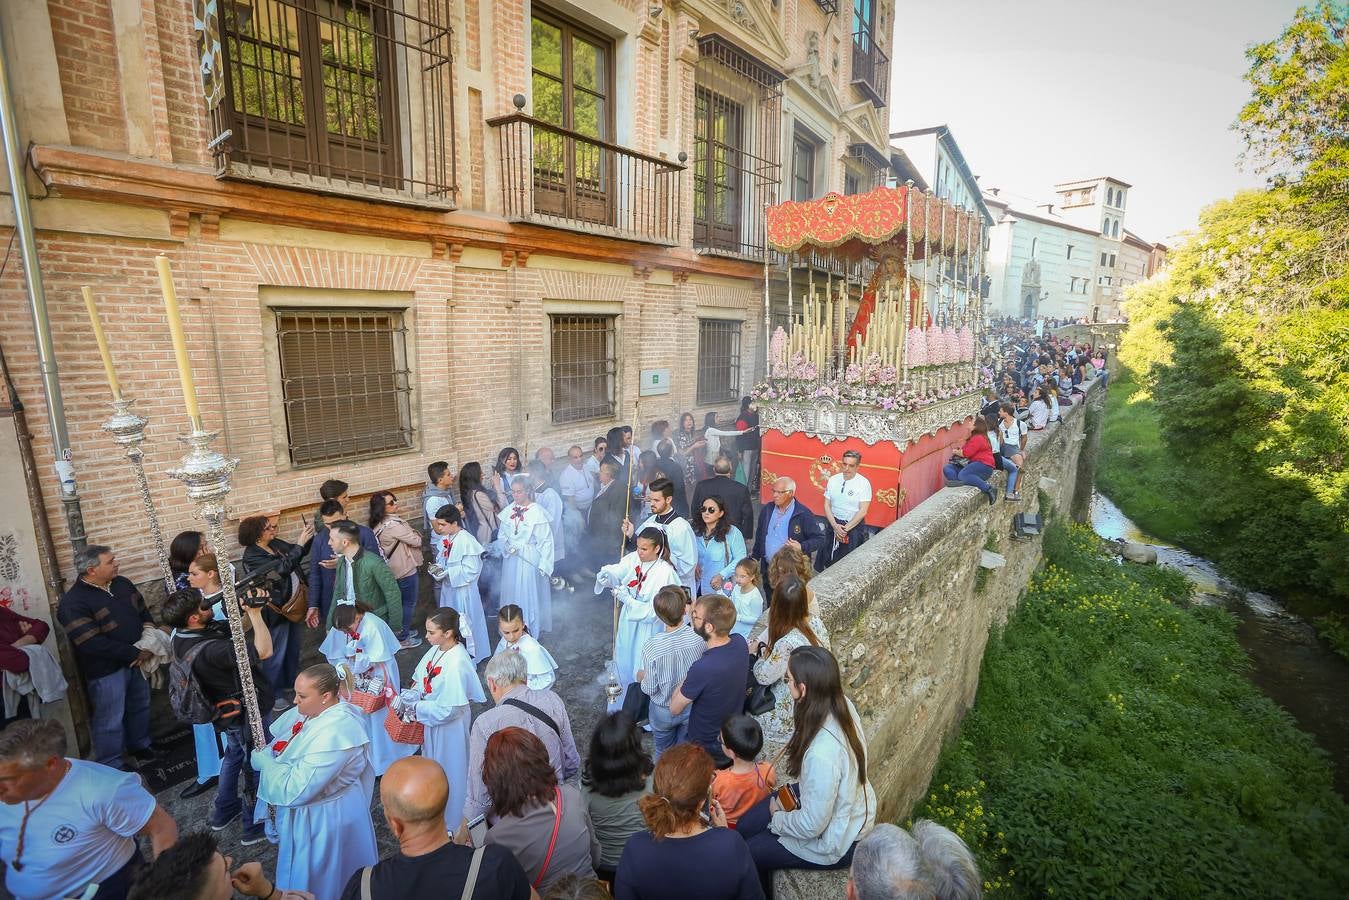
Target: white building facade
[{"x": 1069, "y": 263}]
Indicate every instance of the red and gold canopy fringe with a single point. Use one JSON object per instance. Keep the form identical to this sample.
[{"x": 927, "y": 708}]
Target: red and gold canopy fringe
[{"x": 853, "y": 225}]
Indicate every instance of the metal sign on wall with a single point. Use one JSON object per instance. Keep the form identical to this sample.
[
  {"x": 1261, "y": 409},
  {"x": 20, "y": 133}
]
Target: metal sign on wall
[{"x": 655, "y": 383}]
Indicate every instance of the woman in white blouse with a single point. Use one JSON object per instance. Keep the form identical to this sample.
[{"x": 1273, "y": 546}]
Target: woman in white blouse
[{"x": 827, "y": 757}]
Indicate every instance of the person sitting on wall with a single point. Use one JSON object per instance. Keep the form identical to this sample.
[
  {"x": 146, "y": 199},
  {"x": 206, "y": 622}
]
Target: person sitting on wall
[{"x": 976, "y": 464}]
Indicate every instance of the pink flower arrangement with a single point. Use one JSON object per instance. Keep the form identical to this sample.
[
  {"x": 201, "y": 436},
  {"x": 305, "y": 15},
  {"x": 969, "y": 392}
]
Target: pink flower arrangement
[
  {"x": 916, "y": 352},
  {"x": 777, "y": 349},
  {"x": 966, "y": 344}
]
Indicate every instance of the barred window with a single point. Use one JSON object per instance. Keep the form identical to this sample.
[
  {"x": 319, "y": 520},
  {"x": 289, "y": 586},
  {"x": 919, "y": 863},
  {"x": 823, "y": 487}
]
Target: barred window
[
  {"x": 718, "y": 361},
  {"x": 583, "y": 367},
  {"x": 345, "y": 383}
]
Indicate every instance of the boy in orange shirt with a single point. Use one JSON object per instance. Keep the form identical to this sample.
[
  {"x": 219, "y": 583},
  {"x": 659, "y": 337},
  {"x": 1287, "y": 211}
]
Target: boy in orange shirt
[{"x": 746, "y": 782}]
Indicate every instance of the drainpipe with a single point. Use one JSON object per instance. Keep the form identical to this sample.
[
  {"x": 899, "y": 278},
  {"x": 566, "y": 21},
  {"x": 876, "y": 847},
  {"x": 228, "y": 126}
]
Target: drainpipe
[{"x": 37, "y": 300}]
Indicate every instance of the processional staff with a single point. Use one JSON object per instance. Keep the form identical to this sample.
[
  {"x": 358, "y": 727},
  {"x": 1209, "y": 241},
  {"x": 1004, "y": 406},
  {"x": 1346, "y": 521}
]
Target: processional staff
[{"x": 206, "y": 474}]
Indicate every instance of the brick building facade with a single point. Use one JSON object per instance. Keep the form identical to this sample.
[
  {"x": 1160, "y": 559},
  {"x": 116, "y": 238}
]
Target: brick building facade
[{"x": 384, "y": 258}]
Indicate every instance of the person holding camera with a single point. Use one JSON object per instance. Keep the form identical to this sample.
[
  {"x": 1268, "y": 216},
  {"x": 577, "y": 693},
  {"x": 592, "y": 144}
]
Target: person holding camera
[
  {"x": 264, "y": 552},
  {"x": 204, "y": 644}
]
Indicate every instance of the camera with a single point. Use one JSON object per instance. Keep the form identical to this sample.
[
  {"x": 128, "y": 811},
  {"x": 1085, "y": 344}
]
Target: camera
[{"x": 254, "y": 590}]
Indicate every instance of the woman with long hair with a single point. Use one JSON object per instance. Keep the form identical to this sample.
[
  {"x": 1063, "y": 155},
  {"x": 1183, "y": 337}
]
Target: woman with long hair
[
  {"x": 749, "y": 442},
  {"x": 687, "y": 850},
  {"x": 720, "y": 546},
  {"x": 977, "y": 465},
  {"x": 479, "y": 508},
  {"x": 185, "y": 547},
  {"x": 689, "y": 451},
  {"x": 507, "y": 468},
  {"x": 617, "y": 773},
  {"x": 827, "y": 755},
  {"x": 257, "y": 535},
  {"x": 540, "y": 821},
  {"x": 790, "y": 625},
  {"x": 402, "y": 548}
]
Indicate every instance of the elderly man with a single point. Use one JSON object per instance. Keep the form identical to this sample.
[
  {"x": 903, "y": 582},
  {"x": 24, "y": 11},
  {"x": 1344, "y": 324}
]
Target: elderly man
[
  {"x": 541, "y": 713},
  {"x": 577, "y": 492},
  {"x": 68, "y": 827},
  {"x": 786, "y": 521},
  {"x": 414, "y": 792},
  {"x": 604, "y": 525},
  {"x": 932, "y": 863},
  {"x": 104, "y": 616}
]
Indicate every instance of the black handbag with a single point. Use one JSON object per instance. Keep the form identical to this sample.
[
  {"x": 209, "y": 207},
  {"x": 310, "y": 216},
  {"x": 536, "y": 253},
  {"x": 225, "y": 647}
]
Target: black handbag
[{"x": 760, "y": 699}]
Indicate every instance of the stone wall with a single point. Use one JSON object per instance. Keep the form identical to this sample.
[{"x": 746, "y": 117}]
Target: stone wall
[{"x": 909, "y": 612}]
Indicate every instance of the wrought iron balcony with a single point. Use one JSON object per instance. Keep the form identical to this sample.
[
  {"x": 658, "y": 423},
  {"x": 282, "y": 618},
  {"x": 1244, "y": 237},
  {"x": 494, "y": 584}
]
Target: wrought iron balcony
[
  {"x": 340, "y": 97},
  {"x": 870, "y": 69},
  {"x": 562, "y": 178}
]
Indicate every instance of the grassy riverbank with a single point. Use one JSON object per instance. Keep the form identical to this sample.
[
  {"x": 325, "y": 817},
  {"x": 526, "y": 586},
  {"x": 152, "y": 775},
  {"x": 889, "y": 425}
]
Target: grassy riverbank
[
  {"x": 1137, "y": 472},
  {"x": 1115, "y": 750}
]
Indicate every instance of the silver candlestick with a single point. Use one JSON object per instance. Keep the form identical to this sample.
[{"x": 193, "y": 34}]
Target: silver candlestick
[
  {"x": 128, "y": 430},
  {"x": 207, "y": 476}
]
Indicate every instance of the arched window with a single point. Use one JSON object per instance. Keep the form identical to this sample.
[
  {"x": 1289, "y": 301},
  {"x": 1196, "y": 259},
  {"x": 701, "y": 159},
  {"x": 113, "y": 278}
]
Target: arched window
[{"x": 1114, "y": 228}]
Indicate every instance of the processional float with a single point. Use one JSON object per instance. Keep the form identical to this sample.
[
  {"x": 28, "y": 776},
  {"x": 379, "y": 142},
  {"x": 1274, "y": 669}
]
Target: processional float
[{"x": 885, "y": 365}]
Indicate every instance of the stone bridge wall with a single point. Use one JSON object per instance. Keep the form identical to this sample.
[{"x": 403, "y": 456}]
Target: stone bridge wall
[{"x": 909, "y": 612}]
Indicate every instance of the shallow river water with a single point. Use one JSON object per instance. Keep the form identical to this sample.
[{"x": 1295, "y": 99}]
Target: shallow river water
[{"x": 1289, "y": 663}]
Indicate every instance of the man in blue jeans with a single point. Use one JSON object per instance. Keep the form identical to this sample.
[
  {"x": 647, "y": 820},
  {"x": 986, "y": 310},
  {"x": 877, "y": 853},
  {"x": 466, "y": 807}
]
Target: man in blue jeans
[
  {"x": 217, "y": 674},
  {"x": 104, "y": 615},
  {"x": 666, "y": 658}
]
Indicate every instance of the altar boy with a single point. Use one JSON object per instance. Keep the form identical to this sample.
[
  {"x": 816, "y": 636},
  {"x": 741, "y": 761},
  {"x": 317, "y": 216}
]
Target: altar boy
[{"x": 457, "y": 567}]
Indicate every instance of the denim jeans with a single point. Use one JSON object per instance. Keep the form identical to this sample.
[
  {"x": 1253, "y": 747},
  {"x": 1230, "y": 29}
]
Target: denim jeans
[
  {"x": 294, "y": 643},
  {"x": 273, "y": 667},
  {"x": 1011, "y": 469},
  {"x": 666, "y": 729},
  {"x": 238, "y": 745},
  {"x": 975, "y": 474},
  {"x": 408, "y": 586},
  {"x": 119, "y": 706}
]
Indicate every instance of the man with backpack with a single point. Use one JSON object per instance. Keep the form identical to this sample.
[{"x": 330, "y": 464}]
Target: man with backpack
[{"x": 204, "y": 687}]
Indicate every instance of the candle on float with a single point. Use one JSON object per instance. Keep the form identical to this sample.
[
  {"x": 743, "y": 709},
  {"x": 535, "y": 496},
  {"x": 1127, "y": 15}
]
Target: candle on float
[
  {"x": 102, "y": 341},
  {"x": 179, "y": 341}
]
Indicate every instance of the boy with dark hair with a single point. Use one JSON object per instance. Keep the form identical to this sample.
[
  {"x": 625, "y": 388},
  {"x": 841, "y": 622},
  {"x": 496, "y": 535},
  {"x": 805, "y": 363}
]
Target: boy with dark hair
[
  {"x": 715, "y": 684},
  {"x": 439, "y": 477},
  {"x": 322, "y": 558},
  {"x": 666, "y": 658},
  {"x": 194, "y": 869},
  {"x": 746, "y": 782}
]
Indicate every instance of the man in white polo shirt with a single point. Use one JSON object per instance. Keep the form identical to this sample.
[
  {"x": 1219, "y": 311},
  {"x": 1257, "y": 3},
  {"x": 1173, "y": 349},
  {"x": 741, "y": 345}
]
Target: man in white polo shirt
[
  {"x": 847, "y": 497},
  {"x": 68, "y": 827}
]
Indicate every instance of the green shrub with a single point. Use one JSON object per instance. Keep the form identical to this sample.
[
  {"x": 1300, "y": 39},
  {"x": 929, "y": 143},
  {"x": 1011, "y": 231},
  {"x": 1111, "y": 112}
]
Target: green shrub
[{"x": 1115, "y": 750}]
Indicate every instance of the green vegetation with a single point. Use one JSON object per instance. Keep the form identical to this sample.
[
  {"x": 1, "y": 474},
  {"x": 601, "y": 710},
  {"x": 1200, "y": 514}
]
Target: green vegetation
[
  {"x": 1231, "y": 439},
  {"x": 1115, "y": 750}
]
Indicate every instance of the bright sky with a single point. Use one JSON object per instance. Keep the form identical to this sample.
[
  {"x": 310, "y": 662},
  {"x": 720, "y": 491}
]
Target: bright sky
[{"x": 1039, "y": 92}]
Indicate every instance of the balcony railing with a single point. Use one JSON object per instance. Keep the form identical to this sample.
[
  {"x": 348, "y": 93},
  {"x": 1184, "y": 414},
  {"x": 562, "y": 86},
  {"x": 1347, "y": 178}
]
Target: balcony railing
[
  {"x": 340, "y": 97},
  {"x": 870, "y": 68},
  {"x": 562, "y": 178}
]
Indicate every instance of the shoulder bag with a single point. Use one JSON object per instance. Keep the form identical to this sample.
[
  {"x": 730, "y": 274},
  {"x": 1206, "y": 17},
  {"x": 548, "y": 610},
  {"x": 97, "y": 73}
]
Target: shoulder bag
[
  {"x": 552, "y": 841},
  {"x": 470, "y": 882}
]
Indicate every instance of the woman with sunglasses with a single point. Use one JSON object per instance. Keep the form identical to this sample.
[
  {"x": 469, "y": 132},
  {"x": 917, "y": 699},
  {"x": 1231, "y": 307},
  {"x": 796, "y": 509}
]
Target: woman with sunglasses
[
  {"x": 720, "y": 547},
  {"x": 257, "y": 535}
]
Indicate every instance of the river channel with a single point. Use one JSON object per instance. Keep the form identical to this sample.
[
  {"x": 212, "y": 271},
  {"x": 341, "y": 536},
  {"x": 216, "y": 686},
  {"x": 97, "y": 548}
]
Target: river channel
[{"x": 1289, "y": 663}]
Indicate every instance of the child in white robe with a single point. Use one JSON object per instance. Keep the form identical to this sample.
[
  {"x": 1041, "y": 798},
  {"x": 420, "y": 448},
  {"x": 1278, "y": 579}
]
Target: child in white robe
[
  {"x": 445, "y": 682},
  {"x": 457, "y": 567},
  {"x": 318, "y": 777},
  {"x": 635, "y": 579},
  {"x": 683, "y": 552},
  {"x": 525, "y": 540},
  {"x": 747, "y": 596},
  {"x": 515, "y": 636},
  {"x": 366, "y": 645}
]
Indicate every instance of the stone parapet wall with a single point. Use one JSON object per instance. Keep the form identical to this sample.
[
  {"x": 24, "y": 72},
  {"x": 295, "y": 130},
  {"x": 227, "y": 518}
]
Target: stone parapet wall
[{"x": 909, "y": 615}]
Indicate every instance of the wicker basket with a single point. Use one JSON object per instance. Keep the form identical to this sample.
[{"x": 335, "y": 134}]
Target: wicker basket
[
  {"x": 403, "y": 732},
  {"x": 362, "y": 700}
]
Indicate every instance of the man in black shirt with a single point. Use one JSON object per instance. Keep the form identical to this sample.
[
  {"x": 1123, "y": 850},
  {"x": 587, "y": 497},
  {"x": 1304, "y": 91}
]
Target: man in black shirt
[
  {"x": 217, "y": 674},
  {"x": 414, "y": 792}
]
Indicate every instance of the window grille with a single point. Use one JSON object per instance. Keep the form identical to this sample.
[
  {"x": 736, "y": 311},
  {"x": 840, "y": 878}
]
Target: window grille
[
  {"x": 718, "y": 361},
  {"x": 737, "y": 131},
  {"x": 345, "y": 383},
  {"x": 584, "y": 366},
  {"x": 340, "y": 95}
]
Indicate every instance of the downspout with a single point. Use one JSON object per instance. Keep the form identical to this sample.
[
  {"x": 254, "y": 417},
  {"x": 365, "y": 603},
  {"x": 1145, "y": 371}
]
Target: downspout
[{"x": 46, "y": 351}]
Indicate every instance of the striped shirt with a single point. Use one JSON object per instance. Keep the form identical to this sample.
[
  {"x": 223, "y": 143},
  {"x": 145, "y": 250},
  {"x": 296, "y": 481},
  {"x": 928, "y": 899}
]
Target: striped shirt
[{"x": 666, "y": 659}]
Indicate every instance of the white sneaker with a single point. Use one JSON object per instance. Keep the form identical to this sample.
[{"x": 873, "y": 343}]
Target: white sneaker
[{"x": 412, "y": 640}]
